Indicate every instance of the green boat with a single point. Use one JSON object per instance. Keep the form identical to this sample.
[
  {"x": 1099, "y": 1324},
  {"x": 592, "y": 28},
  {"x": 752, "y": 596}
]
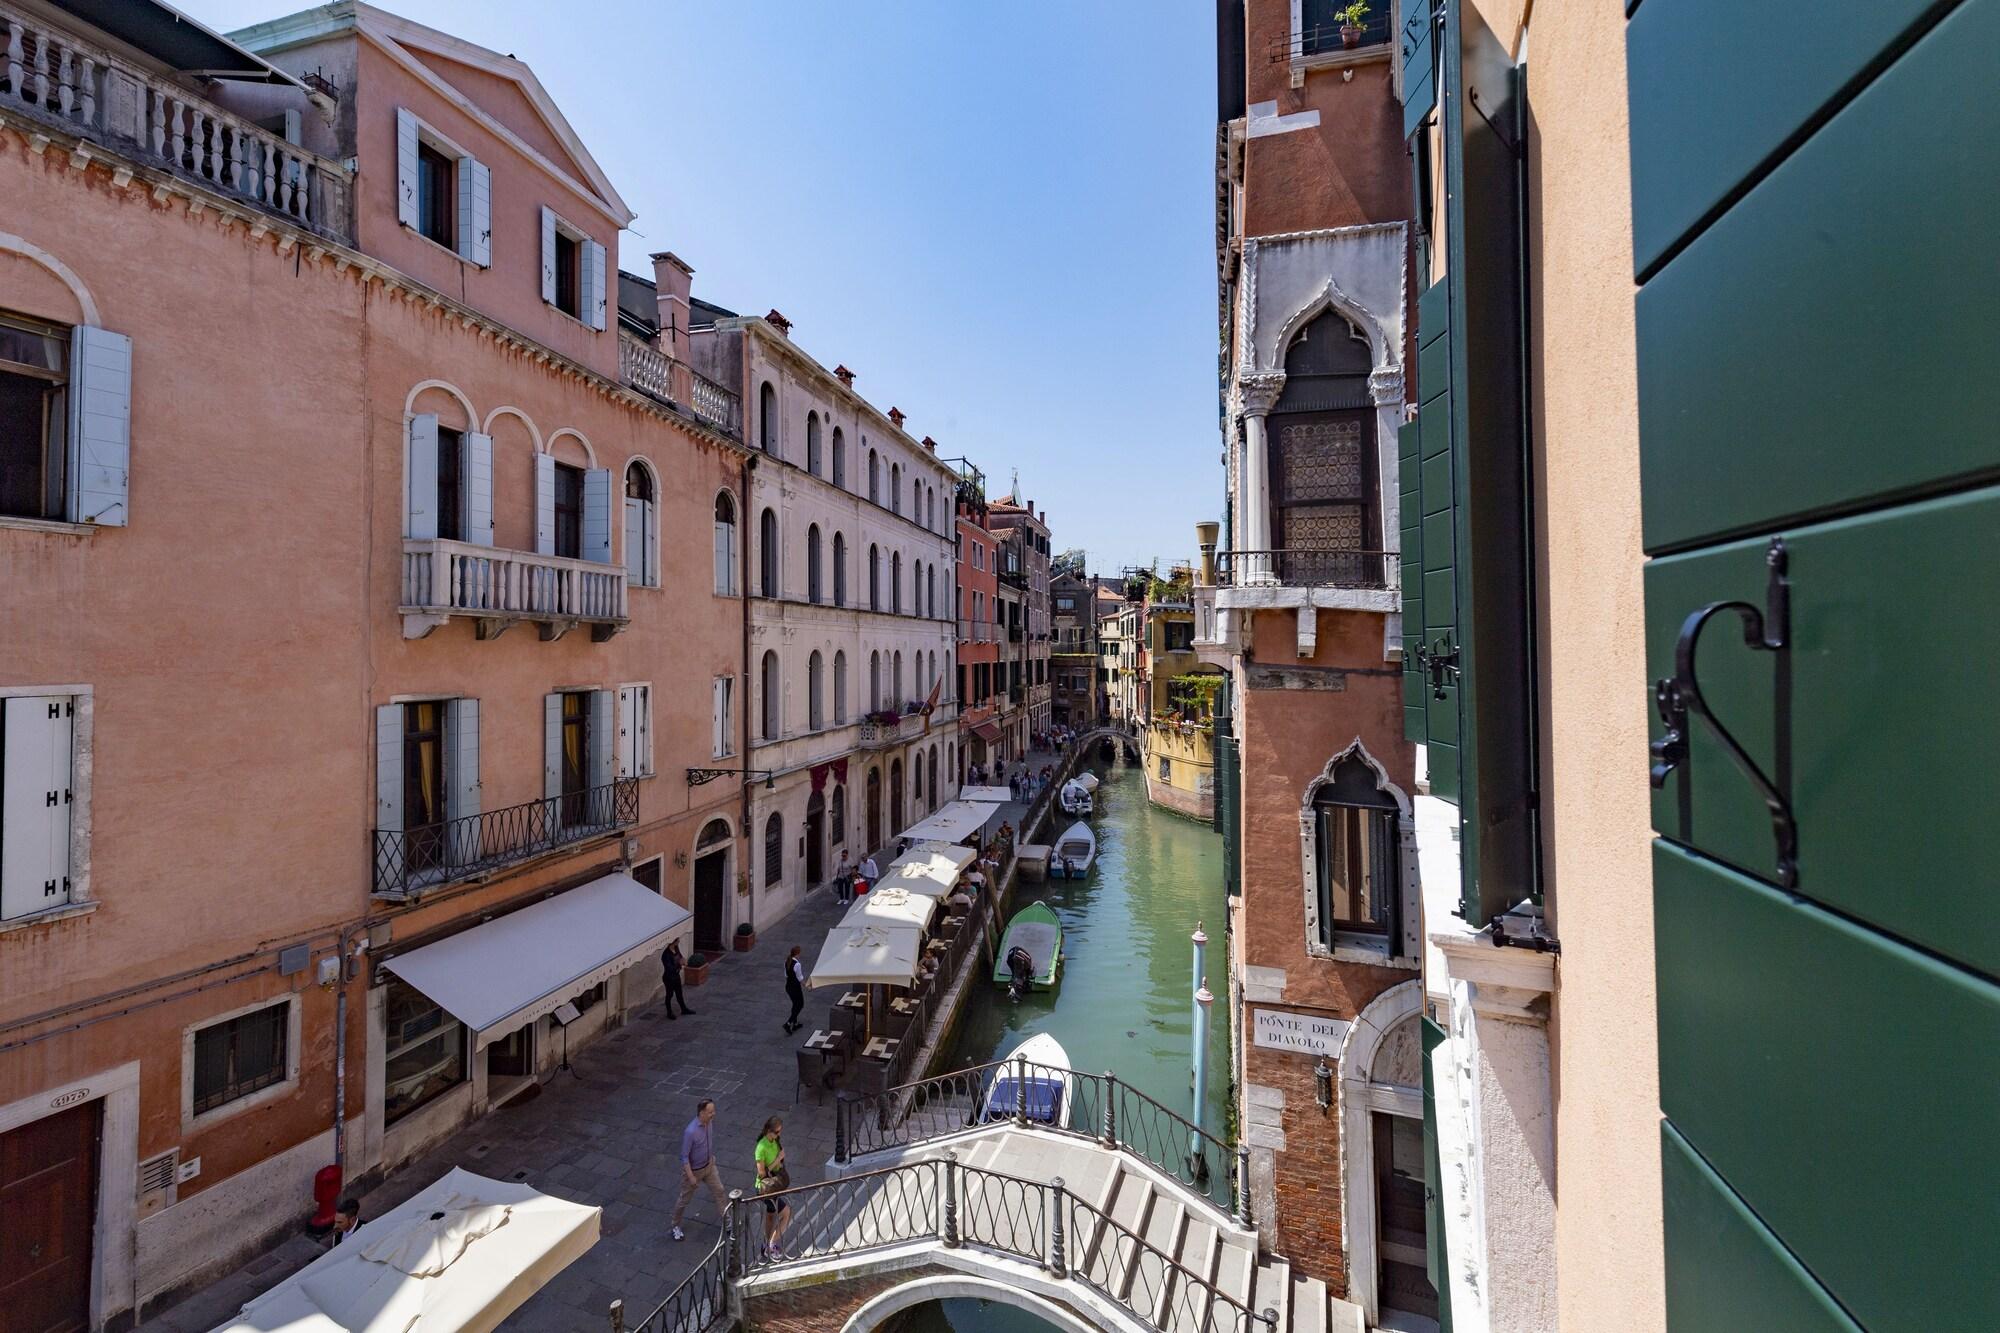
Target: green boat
[{"x": 1037, "y": 931}]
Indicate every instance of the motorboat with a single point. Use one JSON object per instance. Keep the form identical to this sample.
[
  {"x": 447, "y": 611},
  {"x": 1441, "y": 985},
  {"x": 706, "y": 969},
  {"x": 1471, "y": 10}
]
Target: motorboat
[
  {"x": 1075, "y": 799},
  {"x": 1088, "y": 781},
  {"x": 1075, "y": 850},
  {"x": 1035, "y": 1077},
  {"x": 1030, "y": 952}
]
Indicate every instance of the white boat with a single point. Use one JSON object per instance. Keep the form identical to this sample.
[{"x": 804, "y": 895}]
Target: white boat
[
  {"x": 1039, "y": 1069},
  {"x": 1075, "y": 799},
  {"x": 1075, "y": 850},
  {"x": 1086, "y": 780}
]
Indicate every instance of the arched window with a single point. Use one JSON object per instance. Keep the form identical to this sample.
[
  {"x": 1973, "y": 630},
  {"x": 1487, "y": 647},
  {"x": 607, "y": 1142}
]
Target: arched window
[
  {"x": 839, "y": 459},
  {"x": 874, "y": 478},
  {"x": 874, "y": 579},
  {"x": 875, "y": 682},
  {"x": 916, "y": 587},
  {"x": 774, "y": 850},
  {"x": 642, "y": 526},
  {"x": 1322, "y": 457},
  {"x": 896, "y": 696},
  {"x": 916, "y": 498},
  {"x": 917, "y": 781},
  {"x": 725, "y": 545},
  {"x": 812, "y": 443},
  {"x": 896, "y": 487},
  {"x": 839, "y": 570},
  {"x": 812, "y": 565},
  {"x": 839, "y": 689},
  {"x": 815, "y": 690},
  {"x": 1356, "y": 856},
  {"x": 767, "y": 554},
  {"x": 768, "y": 695},
  {"x": 767, "y": 414},
  {"x": 934, "y": 799},
  {"x": 930, "y": 592},
  {"x": 838, "y": 806},
  {"x": 896, "y": 583}
]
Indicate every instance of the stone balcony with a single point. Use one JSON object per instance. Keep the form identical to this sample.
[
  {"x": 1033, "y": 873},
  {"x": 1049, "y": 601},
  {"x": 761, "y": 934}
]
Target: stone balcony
[
  {"x": 658, "y": 375},
  {"x": 497, "y": 589},
  {"x": 77, "y": 89},
  {"x": 881, "y": 735}
]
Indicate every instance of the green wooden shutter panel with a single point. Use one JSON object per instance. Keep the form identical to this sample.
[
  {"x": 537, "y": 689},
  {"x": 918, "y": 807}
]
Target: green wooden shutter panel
[
  {"x": 1437, "y": 1260},
  {"x": 1895, "y": 626},
  {"x": 1841, "y": 1083},
  {"x": 1419, "y": 57},
  {"x": 1748, "y": 1279},
  {"x": 1409, "y": 458},
  {"x": 1811, "y": 350},
  {"x": 1765, "y": 70}
]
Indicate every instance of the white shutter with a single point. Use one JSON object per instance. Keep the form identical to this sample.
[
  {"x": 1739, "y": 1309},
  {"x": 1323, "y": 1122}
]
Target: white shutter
[
  {"x": 635, "y": 540},
  {"x": 477, "y": 481},
  {"x": 596, "y": 543},
  {"x": 389, "y": 767},
  {"x": 603, "y": 756},
  {"x": 34, "y": 803},
  {"x": 545, "y": 504},
  {"x": 420, "y": 508},
  {"x": 475, "y": 212},
  {"x": 725, "y": 559},
  {"x": 628, "y": 764},
  {"x": 100, "y": 426},
  {"x": 462, "y": 766},
  {"x": 642, "y": 730},
  {"x": 719, "y": 718},
  {"x": 549, "y": 255},
  {"x": 406, "y": 168},
  {"x": 596, "y": 278},
  {"x": 552, "y": 706}
]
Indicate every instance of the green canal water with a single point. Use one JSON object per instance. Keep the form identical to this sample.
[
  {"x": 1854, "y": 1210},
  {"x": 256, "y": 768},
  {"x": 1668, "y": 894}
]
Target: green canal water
[{"x": 1124, "y": 1002}]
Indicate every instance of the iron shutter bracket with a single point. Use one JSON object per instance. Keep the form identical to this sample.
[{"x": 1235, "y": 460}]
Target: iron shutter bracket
[
  {"x": 1679, "y": 695},
  {"x": 1434, "y": 660}
]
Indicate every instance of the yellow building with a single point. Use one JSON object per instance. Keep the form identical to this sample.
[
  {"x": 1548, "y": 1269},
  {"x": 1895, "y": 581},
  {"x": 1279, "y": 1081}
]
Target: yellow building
[{"x": 1179, "y": 698}]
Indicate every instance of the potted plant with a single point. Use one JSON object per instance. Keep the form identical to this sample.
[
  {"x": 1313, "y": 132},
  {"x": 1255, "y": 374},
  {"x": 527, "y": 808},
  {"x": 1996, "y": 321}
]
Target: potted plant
[
  {"x": 1350, "y": 23},
  {"x": 746, "y": 937},
  {"x": 695, "y": 970}
]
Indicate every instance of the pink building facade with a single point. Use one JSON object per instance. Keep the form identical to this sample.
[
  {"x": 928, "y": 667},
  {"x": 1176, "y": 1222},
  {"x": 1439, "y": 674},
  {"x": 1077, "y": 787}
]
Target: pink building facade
[{"x": 356, "y": 561}]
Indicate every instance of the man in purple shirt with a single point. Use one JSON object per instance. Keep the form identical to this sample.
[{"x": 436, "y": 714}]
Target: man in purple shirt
[{"x": 698, "y": 1164}]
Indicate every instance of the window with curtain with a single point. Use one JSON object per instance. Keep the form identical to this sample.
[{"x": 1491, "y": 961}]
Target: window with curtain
[
  {"x": 725, "y": 545},
  {"x": 423, "y": 784},
  {"x": 774, "y": 850},
  {"x": 1357, "y": 857},
  {"x": 576, "y": 757},
  {"x": 424, "y": 1055},
  {"x": 812, "y": 565},
  {"x": 241, "y": 1055},
  {"x": 767, "y": 554},
  {"x": 768, "y": 690}
]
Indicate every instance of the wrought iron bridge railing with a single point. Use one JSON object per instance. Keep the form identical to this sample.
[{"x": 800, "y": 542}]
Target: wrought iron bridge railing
[
  {"x": 410, "y": 860},
  {"x": 957, "y": 1207},
  {"x": 1102, "y": 1109},
  {"x": 1309, "y": 567}
]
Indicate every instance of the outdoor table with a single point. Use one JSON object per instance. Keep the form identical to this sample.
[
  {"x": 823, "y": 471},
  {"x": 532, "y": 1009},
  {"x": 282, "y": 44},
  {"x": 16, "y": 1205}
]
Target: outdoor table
[
  {"x": 881, "y": 1048},
  {"x": 824, "y": 1040}
]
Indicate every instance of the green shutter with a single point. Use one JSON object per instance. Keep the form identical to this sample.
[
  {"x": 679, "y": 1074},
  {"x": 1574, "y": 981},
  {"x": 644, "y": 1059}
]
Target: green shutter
[
  {"x": 1410, "y": 460},
  {"x": 1419, "y": 57},
  {"x": 1436, "y": 1259}
]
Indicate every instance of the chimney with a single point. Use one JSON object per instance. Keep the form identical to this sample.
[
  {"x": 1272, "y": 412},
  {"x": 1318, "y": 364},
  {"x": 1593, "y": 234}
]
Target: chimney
[
  {"x": 896, "y": 416},
  {"x": 673, "y": 280},
  {"x": 844, "y": 375},
  {"x": 930, "y": 444},
  {"x": 1205, "y": 535},
  {"x": 779, "y": 322}
]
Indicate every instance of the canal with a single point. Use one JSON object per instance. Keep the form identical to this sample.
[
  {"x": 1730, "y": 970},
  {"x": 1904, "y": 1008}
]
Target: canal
[{"x": 1124, "y": 1002}]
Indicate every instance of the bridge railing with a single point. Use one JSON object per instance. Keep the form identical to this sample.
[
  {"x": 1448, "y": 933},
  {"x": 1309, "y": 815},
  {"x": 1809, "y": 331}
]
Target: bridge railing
[
  {"x": 1099, "y": 1107},
  {"x": 957, "y": 1206},
  {"x": 699, "y": 1303}
]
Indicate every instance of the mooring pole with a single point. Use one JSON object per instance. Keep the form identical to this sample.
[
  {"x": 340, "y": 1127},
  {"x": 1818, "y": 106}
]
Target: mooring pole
[{"x": 1202, "y": 999}]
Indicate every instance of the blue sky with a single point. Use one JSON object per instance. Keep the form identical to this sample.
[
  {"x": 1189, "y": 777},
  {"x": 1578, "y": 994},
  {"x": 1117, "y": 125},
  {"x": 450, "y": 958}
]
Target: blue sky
[{"x": 999, "y": 214}]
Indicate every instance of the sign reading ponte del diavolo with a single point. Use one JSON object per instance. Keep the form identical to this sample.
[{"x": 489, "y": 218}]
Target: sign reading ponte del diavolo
[{"x": 1302, "y": 1034}]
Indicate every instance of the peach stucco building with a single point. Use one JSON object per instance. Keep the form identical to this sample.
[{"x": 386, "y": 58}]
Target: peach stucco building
[{"x": 355, "y": 559}]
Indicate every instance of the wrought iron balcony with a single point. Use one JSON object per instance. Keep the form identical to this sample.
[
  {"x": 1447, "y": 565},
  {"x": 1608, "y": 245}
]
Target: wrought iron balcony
[
  {"x": 1309, "y": 567},
  {"x": 408, "y": 861},
  {"x": 83, "y": 90},
  {"x": 498, "y": 588}
]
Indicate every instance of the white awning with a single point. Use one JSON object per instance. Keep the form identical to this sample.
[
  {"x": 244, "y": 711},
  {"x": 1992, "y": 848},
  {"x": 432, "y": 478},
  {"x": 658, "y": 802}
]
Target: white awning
[
  {"x": 954, "y": 822},
  {"x": 986, "y": 795},
  {"x": 505, "y": 974},
  {"x": 871, "y": 955},
  {"x": 932, "y": 869},
  {"x": 461, "y": 1254},
  {"x": 887, "y": 905}
]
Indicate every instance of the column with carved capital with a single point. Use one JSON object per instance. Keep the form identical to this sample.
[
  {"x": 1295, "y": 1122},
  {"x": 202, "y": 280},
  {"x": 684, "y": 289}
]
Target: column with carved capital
[{"x": 1259, "y": 393}]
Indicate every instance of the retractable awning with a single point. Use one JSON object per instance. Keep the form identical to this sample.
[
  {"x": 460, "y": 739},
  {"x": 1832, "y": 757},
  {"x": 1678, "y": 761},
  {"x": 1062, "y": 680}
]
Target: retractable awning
[
  {"x": 957, "y": 821},
  {"x": 500, "y": 976},
  {"x": 988, "y": 732},
  {"x": 932, "y": 869},
  {"x": 892, "y": 907},
  {"x": 182, "y": 43},
  {"x": 871, "y": 955},
  {"x": 986, "y": 795}
]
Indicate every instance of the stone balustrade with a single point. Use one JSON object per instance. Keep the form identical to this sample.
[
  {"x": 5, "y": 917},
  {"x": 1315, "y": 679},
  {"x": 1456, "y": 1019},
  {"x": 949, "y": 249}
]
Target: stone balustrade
[{"x": 498, "y": 588}]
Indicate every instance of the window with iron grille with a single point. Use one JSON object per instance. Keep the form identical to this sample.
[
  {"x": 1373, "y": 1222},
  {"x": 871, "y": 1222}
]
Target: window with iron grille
[{"x": 238, "y": 1056}]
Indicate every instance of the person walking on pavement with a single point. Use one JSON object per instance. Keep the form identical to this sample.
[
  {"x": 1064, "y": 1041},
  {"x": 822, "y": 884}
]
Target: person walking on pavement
[
  {"x": 698, "y": 1165},
  {"x": 670, "y": 968},
  {"x": 843, "y": 881},
  {"x": 869, "y": 874},
  {"x": 795, "y": 987},
  {"x": 773, "y": 1175}
]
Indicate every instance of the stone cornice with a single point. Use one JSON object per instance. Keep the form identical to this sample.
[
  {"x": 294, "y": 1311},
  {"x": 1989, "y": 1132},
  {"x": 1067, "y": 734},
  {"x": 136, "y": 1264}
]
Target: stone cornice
[
  {"x": 316, "y": 248},
  {"x": 1506, "y": 983}
]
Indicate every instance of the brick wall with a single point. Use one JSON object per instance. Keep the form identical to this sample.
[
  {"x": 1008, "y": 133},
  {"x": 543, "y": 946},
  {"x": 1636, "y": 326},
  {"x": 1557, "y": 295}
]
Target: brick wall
[
  {"x": 1306, "y": 1175},
  {"x": 825, "y": 1307}
]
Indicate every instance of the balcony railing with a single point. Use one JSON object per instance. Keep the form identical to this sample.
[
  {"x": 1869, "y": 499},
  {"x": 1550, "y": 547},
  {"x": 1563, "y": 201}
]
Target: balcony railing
[
  {"x": 1310, "y": 568},
  {"x": 976, "y": 631},
  {"x": 442, "y": 579},
  {"x": 84, "y": 90},
  {"x": 879, "y": 735},
  {"x": 410, "y": 860},
  {"x": 652, "y": 371}
]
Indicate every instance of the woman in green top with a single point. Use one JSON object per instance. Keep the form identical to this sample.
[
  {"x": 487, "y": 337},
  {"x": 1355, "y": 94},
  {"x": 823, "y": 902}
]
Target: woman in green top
[{"x": 772, "y": 1176}]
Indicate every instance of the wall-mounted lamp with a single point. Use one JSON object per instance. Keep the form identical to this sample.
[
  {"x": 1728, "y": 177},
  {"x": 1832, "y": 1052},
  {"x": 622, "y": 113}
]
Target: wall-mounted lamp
[
  {"x": 1323, "y": 1085},
  {"x": 680, "y": 860}
]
